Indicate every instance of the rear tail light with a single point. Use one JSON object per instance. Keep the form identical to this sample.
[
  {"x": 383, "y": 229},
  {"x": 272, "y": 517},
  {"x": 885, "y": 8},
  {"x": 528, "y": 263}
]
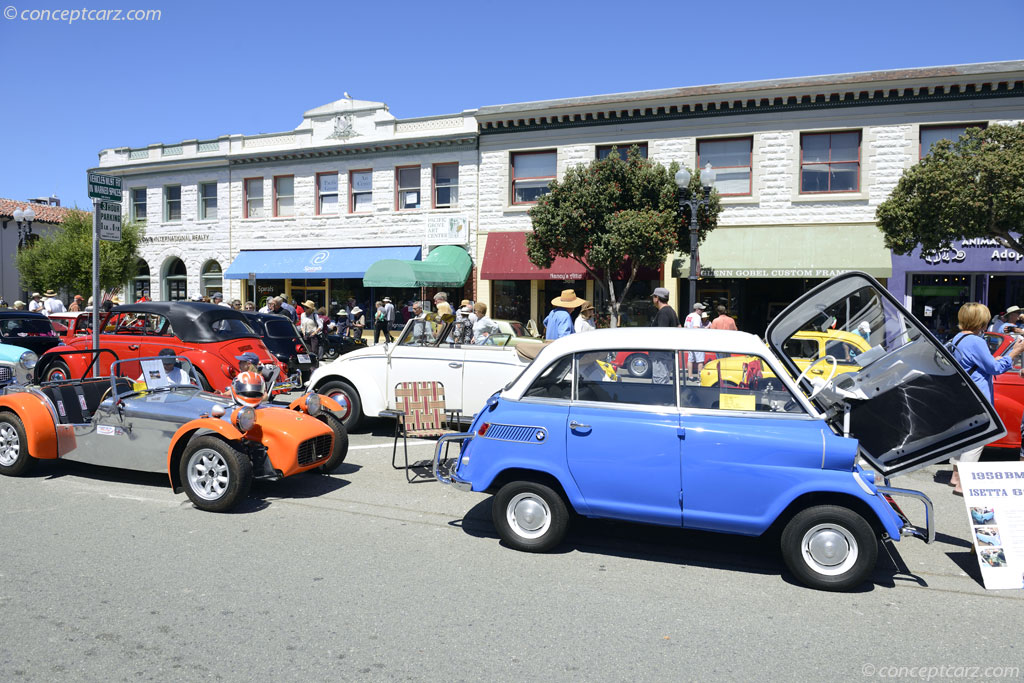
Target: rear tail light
[
  {"x": 483, "y": 429},
  {"x": 299, "y": 348}
]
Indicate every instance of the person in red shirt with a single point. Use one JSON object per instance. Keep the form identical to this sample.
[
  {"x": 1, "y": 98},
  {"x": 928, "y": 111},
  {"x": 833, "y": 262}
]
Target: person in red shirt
[{"x": 723, "y": 321}]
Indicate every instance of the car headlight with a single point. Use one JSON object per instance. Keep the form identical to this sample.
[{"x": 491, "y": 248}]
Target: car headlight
[
  {"x": 245, "y": 418},
  {"x": 28, "y": 360},
  {"x": 313, "y": 405}
]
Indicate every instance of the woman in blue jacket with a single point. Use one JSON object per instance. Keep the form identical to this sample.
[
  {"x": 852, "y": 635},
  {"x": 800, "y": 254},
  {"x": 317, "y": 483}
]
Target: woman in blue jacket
[{"x": 971, "y": 351}]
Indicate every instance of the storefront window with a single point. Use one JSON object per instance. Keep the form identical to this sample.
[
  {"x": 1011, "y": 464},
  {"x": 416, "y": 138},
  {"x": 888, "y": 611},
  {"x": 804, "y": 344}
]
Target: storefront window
[
  {"x": 510, "y": 300},
  {"x": 636, "y": 309},
  {"x": 140, "y": 286},
  {"x": 212, "y": 278},
  {"x": 266, "y": 289},
  {"x": 937, "y": 300},
  {"x": 314, "y": 290}
]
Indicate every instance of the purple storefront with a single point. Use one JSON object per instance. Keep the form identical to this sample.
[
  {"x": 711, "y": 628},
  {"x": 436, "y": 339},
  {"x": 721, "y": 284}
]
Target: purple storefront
[{"x": 934, "y": 287}]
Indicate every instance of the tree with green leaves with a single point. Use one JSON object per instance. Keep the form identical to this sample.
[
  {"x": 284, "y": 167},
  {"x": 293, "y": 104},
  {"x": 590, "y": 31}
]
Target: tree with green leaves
[
  {"x": 973, "y": 187},
  {"x": 63, "y": 259},
  {"x": 616, "y": 215}
]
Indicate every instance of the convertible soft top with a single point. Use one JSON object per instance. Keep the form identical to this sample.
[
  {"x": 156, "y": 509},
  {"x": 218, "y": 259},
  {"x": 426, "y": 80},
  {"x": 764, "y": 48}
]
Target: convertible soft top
[{"x": 191, "y": 321}]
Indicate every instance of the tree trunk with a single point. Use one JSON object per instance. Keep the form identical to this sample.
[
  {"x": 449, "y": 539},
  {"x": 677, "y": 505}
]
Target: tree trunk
[{"x": 613, "y": 303}]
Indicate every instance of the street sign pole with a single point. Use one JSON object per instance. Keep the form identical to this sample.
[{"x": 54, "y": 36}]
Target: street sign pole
[
  {"x": 96, "y": 276},
  {"x": 102, "y": 188}
]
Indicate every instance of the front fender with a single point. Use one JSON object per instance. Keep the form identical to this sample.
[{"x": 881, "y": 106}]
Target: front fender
[
  {"x": 45, "y": 440},
  {"x": 184, "y": 434},
  {"x": 367, "y": 374},
  {"x": 325, "y": 401}
]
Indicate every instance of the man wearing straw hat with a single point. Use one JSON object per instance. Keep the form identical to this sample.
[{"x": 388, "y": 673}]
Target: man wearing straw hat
[{"x": 558, "y": 324}]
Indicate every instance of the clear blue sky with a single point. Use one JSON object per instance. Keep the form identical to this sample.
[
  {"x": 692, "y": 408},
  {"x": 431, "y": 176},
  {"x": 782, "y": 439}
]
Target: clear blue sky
[{"x": 217, "y": 67}]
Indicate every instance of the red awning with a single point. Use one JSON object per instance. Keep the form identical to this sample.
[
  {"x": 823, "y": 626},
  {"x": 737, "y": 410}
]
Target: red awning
[{"x": 505, "y": 259}]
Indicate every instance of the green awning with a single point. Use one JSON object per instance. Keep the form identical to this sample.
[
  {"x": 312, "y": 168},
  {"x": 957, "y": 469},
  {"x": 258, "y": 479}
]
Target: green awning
[
  {"x": 447, "y": 266},
  {"x": 790, "y": 251}
]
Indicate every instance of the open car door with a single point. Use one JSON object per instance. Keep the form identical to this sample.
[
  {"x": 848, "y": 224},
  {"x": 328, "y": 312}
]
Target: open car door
[{"x": 908, "y": 402}]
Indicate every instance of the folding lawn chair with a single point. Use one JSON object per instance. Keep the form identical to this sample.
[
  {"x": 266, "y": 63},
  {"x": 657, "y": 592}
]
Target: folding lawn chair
[{"x": 420, "y": 413}]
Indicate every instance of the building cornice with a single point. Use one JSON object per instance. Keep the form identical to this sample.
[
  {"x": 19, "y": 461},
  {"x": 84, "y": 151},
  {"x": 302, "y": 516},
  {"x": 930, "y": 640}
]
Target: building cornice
[
  {"x": 375, "y": 148},
  {"x": 939, "y": 84}
]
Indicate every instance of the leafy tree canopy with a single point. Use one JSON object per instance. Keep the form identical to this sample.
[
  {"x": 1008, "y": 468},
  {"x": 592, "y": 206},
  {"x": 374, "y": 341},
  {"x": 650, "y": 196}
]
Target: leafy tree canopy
[
  {"x": 63, "y": 259},
  {"x": 970, "y": 188},
  {"x": 615, "y": 214}
]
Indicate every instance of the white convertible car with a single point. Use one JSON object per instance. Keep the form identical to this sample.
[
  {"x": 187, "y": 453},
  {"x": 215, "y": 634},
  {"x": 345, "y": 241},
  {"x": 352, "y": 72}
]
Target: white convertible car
[{"x": 364, "y": 381}]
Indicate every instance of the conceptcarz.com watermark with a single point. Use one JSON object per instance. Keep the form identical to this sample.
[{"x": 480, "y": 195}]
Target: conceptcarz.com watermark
[
  {"x": 70, "y": 16},
  {"x": 941, "y": 672}
]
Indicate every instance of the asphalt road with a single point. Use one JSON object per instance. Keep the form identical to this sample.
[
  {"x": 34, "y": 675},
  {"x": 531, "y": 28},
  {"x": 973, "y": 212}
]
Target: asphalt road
[{"x": 106, "y": 575}]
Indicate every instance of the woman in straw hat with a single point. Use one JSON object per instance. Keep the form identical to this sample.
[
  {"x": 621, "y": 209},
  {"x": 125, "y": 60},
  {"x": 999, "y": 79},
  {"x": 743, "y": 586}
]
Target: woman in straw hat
[
  {"x": 558, "y": 324},
  {"x": 585, "y": 320}
]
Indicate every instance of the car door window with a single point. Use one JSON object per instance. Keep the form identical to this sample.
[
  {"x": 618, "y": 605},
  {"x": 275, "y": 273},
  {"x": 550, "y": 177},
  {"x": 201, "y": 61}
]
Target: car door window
[
  {"x": 157, "y": 325},
  {"x": 555, "y": 382},
  {"x": 614, "y": 376},
  {"x": 737, "y": 383}
]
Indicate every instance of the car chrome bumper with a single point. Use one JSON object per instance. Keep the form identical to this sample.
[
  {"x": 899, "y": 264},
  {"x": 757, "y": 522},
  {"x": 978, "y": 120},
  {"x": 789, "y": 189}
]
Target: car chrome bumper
[
  {"x": 927, "y": 534},
  {"x": 444, "y": 471}
]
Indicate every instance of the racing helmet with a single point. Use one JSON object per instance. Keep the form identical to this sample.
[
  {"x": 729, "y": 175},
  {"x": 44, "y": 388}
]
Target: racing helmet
[{"x": 248, "y": 388}]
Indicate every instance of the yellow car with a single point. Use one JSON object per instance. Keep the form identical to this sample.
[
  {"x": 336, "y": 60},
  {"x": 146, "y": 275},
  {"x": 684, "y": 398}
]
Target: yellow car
[{"x": 804, "y": 347}]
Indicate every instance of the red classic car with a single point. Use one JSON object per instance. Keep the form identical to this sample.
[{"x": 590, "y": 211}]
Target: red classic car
[
  {"x": 209, "y": 336},
  {"x": 1009, "y": 388}
]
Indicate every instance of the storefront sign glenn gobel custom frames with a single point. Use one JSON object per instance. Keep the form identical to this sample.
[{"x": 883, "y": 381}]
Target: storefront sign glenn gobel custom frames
[{"x": 447, "y": 229}]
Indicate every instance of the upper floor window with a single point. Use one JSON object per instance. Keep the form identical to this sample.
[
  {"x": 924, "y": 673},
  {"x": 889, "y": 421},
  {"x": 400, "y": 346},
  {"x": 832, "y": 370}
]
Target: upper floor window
[
  {"x": 172, "y": 203},
  {"x": 139, "y": 204},
  {"x": 326, "y": 193},
  {"x": 830, "y": 162},
  {"x": 731, "y": 160},
  {"x": 360, "y": 185},
  {"x": 446, "y": 186},
  {"x": 207, "y": 201},
  {"x": 932, "y": 134},
  {"x": 284, "y": 195},
  {"x": 623, "y": 149},
  {"x": 407, "y": 187},
  {"x": 253, "y": 197},
  {"x": 532, "y": 172}
]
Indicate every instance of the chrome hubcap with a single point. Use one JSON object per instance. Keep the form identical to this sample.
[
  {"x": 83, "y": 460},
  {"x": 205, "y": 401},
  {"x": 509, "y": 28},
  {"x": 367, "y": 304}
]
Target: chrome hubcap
[
  {"x": 57, "y": 375},
  {"x": 208, "y": 474},
  {"x": 342, "y": 398},
  {"x": 638, "y": 366},
  {"x": 528, "y": 515},
  {"x": 10, "y": 445},
  {"x": 829, "y": 549}
]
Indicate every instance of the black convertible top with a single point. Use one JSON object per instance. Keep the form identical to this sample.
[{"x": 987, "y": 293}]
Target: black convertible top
[{"x": 194, "y": 321}]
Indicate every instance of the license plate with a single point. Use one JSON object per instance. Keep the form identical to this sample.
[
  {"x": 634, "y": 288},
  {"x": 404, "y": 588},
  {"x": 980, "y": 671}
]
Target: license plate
[{"x": 303, "y": 357}]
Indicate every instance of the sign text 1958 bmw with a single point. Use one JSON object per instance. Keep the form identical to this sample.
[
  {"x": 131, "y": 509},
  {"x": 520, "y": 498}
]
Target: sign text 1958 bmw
[
  {"x": 363, "y": 381},
  {"x": 149, "y": 415},
  {"x": 576, "y": 432}
]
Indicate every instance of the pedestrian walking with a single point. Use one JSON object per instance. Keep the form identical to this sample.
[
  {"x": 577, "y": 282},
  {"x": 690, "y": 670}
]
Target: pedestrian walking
[
  {"x": 484, "y": 327},
  {"x": 661, "y": 361},
  {"x": 380, "y": 324},
  {"x": 51, "y": 304},
  {"x": 972, "y": 352},
  {"x": 309, "y": 326},
  {"x": 358, "y": 323},
  {"x": 35, "y": 304},
  {"x": 76, "y": 304},
  {"x": 389, "y": 315},
  {"x": 441, "y": 304},
  {"x": 585, "y": 320},
  {"x": 722, "y": 321},
  {"x": 558, "y": 323},
  {"x": 695, "y": 359}
]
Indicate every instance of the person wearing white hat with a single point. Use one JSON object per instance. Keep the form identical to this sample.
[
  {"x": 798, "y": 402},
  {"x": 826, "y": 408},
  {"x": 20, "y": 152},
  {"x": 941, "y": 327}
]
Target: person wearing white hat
[
  {"x": 51, "y": 304},
  {"x": 358, "y": 324},
  {"x": 1012, "y": 321},
  {"x": 35, "y": 304},
  {"x": 558, "y": 324}
]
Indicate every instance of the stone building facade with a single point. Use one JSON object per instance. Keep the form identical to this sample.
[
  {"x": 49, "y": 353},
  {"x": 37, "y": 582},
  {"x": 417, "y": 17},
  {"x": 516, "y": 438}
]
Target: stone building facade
[{"x": 802, "y": 165}]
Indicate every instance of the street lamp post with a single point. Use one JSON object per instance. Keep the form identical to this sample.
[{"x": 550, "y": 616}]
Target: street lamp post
[
  {"x": 687, "y": 200},
  {"x": 24, "y": 218}
]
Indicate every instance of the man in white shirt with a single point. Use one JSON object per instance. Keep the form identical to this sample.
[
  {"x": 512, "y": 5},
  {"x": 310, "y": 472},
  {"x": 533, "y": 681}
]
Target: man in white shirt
[
  {"x": 51, "y": 304},
  {"x": 695, "y": 362},
  {"x": 35, "y": 304}
]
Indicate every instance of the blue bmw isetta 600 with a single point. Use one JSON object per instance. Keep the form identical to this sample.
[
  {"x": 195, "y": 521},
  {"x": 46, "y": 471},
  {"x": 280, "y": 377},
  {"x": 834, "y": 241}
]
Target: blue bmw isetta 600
[{"x": 576, "y": 431}]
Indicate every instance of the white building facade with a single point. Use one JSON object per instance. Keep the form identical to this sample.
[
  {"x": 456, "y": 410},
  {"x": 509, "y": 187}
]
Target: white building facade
[
  {"x": 802, "y": 165},
  {"x": 305, "y": 211}
]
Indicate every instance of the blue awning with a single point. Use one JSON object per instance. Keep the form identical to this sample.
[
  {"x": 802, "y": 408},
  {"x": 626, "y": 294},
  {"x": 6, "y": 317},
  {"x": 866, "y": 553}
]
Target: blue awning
[{"x": 349, "y": 262}]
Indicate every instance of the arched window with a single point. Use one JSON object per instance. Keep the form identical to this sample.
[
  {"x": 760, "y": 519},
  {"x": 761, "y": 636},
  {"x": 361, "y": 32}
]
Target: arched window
[
  {"x": 140, "y": 285},
  {"x": 175, "y": 280},
  {"x": 212, "y": 278}
]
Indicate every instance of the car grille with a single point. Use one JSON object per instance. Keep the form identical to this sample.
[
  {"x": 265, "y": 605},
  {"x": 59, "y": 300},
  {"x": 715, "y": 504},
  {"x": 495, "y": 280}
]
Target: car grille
[
  {"x": 513, "y": 433},
  {"x": 317, "y": 448},
  {"x": 6, "y": 373}
]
